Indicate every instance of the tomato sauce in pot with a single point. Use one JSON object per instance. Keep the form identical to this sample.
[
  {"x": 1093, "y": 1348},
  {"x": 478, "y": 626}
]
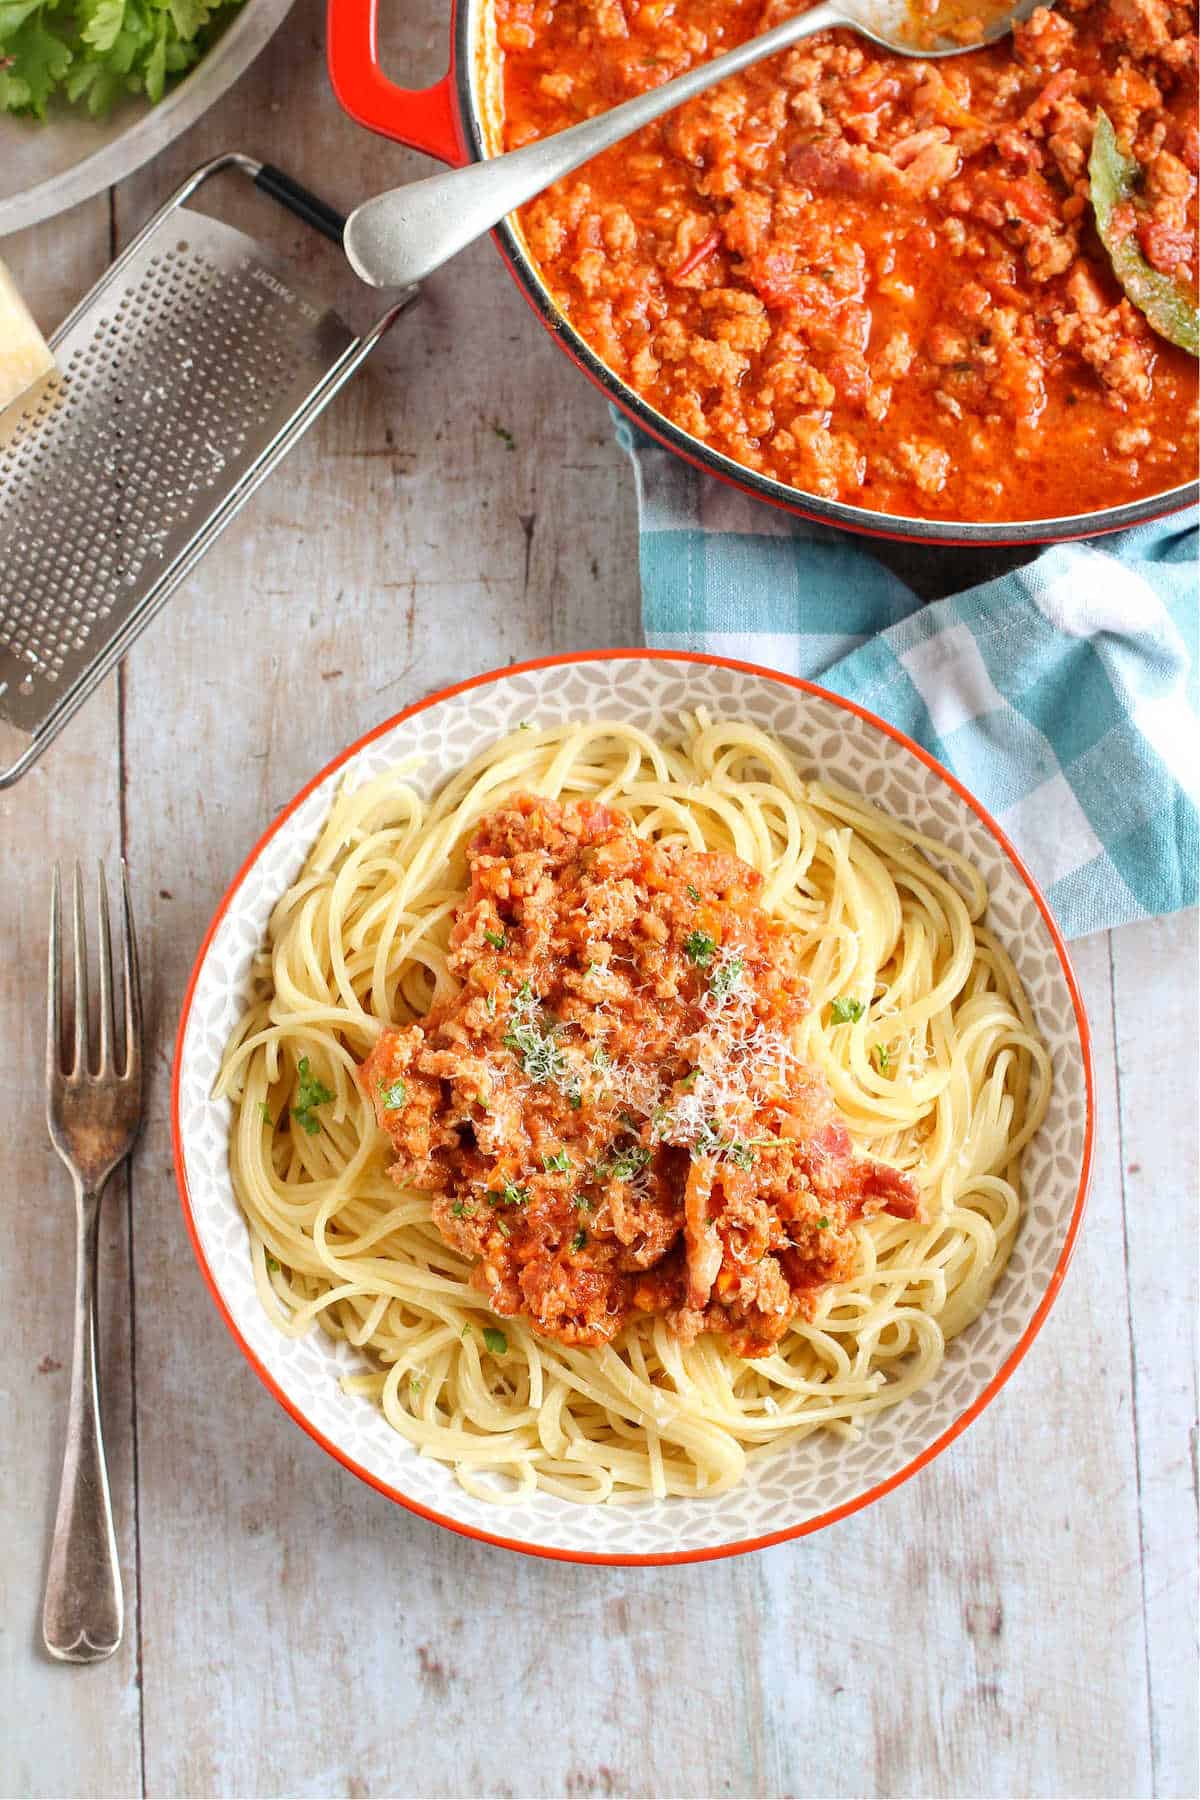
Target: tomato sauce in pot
[{"x": 871, "y": 278}]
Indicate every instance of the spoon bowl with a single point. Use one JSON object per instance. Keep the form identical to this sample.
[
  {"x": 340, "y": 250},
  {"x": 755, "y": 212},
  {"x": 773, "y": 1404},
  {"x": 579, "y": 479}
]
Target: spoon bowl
[{"x": 934, "y": 28}]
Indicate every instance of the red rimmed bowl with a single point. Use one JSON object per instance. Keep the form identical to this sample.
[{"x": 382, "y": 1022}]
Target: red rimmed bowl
[
  {"x": 807, "y": 1485},
  {"x": 455, "y": 121}
]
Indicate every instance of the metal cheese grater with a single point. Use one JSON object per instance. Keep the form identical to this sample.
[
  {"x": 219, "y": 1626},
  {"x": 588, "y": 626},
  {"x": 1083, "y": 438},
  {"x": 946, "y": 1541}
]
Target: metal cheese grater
[{"x": 184, "y": 376}]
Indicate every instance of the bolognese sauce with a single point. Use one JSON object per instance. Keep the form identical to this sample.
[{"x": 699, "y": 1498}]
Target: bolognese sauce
[
  {"x": 609, "y": 1113},
  {"x": 873, "y": 278}
]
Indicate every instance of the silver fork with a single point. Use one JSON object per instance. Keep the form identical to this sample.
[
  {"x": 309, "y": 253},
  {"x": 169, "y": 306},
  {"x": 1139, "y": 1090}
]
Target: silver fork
[{"x": 93, "y": 1115}]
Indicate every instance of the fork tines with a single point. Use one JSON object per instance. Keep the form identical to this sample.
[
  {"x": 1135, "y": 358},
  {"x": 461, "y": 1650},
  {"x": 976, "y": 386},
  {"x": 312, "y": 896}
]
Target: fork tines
[{"x": 106, "y": 1067}]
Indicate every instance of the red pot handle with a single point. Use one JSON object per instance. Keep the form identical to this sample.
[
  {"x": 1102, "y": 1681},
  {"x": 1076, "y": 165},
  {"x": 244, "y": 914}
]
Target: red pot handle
[{"x": 423, "y": 118}]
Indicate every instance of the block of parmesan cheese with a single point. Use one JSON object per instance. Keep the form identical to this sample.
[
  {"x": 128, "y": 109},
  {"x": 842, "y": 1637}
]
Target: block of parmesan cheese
[{"x": 24, "y": 357}]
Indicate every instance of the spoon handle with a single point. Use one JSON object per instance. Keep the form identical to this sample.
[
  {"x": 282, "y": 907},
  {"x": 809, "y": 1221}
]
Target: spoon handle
[{"x": 402, "y": 236}]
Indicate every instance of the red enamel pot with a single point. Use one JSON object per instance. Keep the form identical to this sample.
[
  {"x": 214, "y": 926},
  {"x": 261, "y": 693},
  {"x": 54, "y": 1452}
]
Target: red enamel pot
[{"x": 447, "y": 121}]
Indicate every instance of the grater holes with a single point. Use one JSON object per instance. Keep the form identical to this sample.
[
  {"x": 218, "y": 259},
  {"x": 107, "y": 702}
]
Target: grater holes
[{"x": 168, "y": 397}]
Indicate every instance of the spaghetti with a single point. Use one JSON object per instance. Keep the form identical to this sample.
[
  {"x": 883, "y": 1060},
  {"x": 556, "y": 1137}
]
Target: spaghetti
[{"x": 916, "y": 1021}]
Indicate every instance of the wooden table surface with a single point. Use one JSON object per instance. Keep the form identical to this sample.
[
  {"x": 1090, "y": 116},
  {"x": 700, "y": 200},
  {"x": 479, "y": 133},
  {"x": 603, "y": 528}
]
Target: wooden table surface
[{"x": 1019, "y": 1619}]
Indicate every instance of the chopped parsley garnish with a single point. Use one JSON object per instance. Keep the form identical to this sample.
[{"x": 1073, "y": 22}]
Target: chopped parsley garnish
[
  {"x": 822, "y": 1224},
  {"x": 310, "y": 1093},
  {"x": 846, "y": 1012},
  {"x": 699, "y": 948},
  {"x": 726, "y": 978},
  {"x": 579, "y": 1240},
  {"x": 883, "y": 1059},
  {"x": 489, "y": 1006},
  {"x": 265, "y": 1110},
  {"x": 582, "y": 1203},
  {"x": 630, "y": 1162},
  {"x": 465, "y": 1332},
  {"x": 742, "y": 1153},
  {"x": 393, "y": 1096},
  {"x": 463, "y": 1209},
  {"x": 600, "y": 1057},
  {"x": 574, "y": 1099},
  {"x": 693, "y": 894},
  {"x": 541, "y": 1058},
  {"x": 688, "y": 1082},
  {"x": 272, "y": 1264},
  {"x": 497, "y": 939},
  {"x": 560, "y": 1162},
  {"x": 510, "y": 1195},
  {"x": 415, "y": 1382},
  {"x": 495, "y": 1340}
]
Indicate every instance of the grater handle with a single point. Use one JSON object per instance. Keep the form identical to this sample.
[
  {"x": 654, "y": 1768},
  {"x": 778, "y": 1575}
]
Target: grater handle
[{"x": 315, "y": 212}]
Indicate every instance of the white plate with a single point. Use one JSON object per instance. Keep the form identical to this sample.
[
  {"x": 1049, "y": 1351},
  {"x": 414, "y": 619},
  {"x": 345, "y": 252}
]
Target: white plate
[
  {"x": 47, "y": 167},
  {"x": 806, "y": 1485}
]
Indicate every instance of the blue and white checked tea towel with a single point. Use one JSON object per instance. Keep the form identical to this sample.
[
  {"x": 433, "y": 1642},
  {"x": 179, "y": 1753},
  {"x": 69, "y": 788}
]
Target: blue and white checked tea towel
[{"x": 1065, "y": 694}]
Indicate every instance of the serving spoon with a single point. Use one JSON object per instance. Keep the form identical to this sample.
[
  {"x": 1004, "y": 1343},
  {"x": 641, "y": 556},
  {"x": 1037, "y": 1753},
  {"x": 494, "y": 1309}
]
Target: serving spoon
[{"x": 403, "y": 235}]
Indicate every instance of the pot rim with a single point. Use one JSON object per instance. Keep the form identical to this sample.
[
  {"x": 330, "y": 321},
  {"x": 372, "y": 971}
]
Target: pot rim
[{"x": 859, "y": 519}]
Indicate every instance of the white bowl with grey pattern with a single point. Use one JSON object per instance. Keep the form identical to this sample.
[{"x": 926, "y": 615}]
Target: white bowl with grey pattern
[{"x": 805, "y": 1485}]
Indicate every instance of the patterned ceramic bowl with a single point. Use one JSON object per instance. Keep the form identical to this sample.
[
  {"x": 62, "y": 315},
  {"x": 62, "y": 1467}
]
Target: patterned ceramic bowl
[{"x": 807, "y": 1485}]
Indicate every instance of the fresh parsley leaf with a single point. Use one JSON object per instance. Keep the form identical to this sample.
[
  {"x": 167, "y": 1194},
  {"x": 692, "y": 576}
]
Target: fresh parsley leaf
[
  {"x": 699, "y": 948},
  {"x": 489, "y": 1006},
  {"x": 630, "y": 1162},
  {"x": 846, "y": 1012},
  {"x": 464, "y": 1209},
  {"x": 310, "y": 1093},
  {"x": 574, "y": 1099},
  {"x": 495, "y": 1340},
  {"x": 497, "y": 939},
  {"x": 511, "y": 1195},
  {"x": 96, "y": 52},
  {"x": 265, "y": 1110},
  {"x": 600, "y": 1058},
  {"x": 559, "y": 1163},
  {"x": 393, "y": 1096},
  {"x": 693, "y": 894},
  {"x": 741, "y": 1153},
  {"x": 273, "y": 1264},
  {"x": 882, "y": 1058},
  {"x": 822, "y": 1224},
  {"x": 36, "y": 60},
  {"x": 579, "y": 1240}
]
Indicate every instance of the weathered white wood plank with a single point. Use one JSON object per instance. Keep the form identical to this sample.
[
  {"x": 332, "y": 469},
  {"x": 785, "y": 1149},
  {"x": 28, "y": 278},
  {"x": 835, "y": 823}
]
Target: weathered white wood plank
[
  {"x": 979, "y": 1631},
  {"x": 66, "y": 1730},
  {"x": 1154, "y": 989}
]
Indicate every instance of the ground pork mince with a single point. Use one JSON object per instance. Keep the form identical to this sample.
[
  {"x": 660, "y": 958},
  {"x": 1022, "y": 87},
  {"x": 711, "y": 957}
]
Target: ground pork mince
[
  {"x": 609, "y": 1114},
  {"x": 873, "y": 278}
]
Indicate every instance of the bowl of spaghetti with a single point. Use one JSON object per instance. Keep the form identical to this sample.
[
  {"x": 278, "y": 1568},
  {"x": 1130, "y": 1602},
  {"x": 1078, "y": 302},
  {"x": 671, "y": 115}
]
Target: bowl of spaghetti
[{"x": 633, "y": 1107}]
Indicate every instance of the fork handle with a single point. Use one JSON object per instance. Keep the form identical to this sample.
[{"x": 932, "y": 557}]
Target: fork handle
[{"x": 83, "y": 1614}]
